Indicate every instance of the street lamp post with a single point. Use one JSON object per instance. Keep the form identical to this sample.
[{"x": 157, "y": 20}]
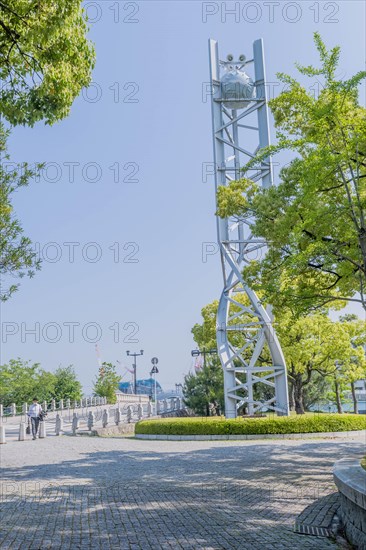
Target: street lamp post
[
  {"x": 134, "y": 366},
  {"x": 154, "y": 371},
  {"x": 204, "y": 352}
]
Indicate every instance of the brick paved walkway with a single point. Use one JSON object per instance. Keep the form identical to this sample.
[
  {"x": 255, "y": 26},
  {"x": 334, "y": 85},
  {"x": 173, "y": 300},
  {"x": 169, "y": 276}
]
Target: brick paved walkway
[{"x": 81, "y": 492}]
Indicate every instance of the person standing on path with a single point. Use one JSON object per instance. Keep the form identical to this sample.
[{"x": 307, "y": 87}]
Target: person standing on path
[{"x": 34, "y": 413}]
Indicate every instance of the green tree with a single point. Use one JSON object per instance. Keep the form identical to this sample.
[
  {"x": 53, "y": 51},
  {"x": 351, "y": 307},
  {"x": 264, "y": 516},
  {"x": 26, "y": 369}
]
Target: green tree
[
  {"x": 45, "y": 59},
  {"x": 67, "y": 386},
  {"x": 44, "y": 386},
  {"x": 314, "y": 221},
  {"x": 17, "y": 256},
  {"x": 355, "y": 368},
  {"x": 315, "y": 346},
  {"x": 320, "y": 353},
  {"x": 20, "y": 381},
  {"x": 205, "y": 388},
  {"x": 106, "y": 383},
  {"x": 17, "y": 381}
]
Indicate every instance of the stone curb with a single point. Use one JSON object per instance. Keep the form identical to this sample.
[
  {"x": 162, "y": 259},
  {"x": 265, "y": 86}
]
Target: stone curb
[
  {"x": 350, "y": 478},
  {"x": 330, "y": 435}
]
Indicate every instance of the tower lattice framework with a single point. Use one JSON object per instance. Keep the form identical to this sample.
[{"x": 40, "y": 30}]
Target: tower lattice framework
[{"x": 247, "y": 344}]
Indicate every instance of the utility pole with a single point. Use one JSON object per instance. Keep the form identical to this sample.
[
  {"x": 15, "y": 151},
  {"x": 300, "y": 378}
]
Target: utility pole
[{"x": 134, "y": 366}]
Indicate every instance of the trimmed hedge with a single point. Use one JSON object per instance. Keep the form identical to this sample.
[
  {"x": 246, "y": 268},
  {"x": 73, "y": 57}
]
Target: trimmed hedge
[{"x": 249, "y": 426}]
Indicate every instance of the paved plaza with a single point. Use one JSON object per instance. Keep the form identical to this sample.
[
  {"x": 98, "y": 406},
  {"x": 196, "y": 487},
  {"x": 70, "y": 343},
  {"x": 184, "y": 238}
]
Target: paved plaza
[{"x": 88, "y": 492}]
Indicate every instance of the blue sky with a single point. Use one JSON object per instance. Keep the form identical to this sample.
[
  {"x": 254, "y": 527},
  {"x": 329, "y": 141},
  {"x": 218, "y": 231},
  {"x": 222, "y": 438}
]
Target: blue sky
[{"x": 133, "y": 260}]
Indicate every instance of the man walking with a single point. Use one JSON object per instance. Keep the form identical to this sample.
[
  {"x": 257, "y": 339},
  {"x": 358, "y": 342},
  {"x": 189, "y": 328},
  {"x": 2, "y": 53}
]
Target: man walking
[{"x": 34, "y": 414}]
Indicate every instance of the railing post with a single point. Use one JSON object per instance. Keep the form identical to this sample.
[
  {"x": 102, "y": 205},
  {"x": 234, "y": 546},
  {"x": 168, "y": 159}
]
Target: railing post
[
  {"x": 1, "y": 412},
  {"x": 68, "y": 404},
  {"x": 129, "y": 413},
  {"x": 91, "y": 420},
  {"x": 58, "y": 425},
  {"x": 13, "y": 409},
  {"x": 117, "y": 416},
  {"x": 61, "y": 405},
  {"x": 42, "y": 430},
  {"x": 178, "y": 403},
  {"x": 2, "y": 435},
  {"x": 75, "y": 423},
  {"x": 21, "y": 431},
  {"x": 25, "y": 408},
  {"x": 172, "y": 404},
  {"x": 44, "y": 406},
  {"x": 53, "y": 405},
  {"x": 75, "y": 404},
  {"x": 149, "y": 409},
  {"x": 105, "y": 418}
]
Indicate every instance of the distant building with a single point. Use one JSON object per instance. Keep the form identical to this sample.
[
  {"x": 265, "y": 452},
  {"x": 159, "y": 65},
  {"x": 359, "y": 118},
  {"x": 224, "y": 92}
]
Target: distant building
[
  {"x": 360, "y": 386},
  {"x": 144, "y": 387}
]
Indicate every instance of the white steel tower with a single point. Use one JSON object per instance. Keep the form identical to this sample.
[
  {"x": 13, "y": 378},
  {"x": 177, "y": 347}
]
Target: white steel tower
[{"x": 247, "y": 344}]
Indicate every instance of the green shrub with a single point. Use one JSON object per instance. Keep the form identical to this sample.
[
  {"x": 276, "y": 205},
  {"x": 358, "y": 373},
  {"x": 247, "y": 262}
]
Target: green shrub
[{"x": 248, "y": 426}]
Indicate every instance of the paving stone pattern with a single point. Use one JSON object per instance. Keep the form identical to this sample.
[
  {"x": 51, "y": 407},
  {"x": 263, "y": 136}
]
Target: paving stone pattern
[{"x": 83, "y": 492}]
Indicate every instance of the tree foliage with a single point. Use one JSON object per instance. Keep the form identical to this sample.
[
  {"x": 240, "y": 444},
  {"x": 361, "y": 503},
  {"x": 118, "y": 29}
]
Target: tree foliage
[
  {"x": 318, "y": 351},
  {"x": 67, "y": 386},
  {"x": 17, "y": 255},
  {"x": 106, "y": 383},
  {"x": 204, "y": 388},
  {"x": 315, "y": 346},
  {"x": 20, "y": 382},
  {"x": 45, "y": 59},
  {"x": 314, "y": 220}
]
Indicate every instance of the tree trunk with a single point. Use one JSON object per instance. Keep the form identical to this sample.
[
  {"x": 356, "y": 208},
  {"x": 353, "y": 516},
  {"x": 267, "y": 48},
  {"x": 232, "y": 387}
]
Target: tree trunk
[
  {"x": 338, "y": 397},
  {"x": 354, "y": 397},
  {"x": 299, "y": 394},
  {"x": 291, "y": 395}
]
